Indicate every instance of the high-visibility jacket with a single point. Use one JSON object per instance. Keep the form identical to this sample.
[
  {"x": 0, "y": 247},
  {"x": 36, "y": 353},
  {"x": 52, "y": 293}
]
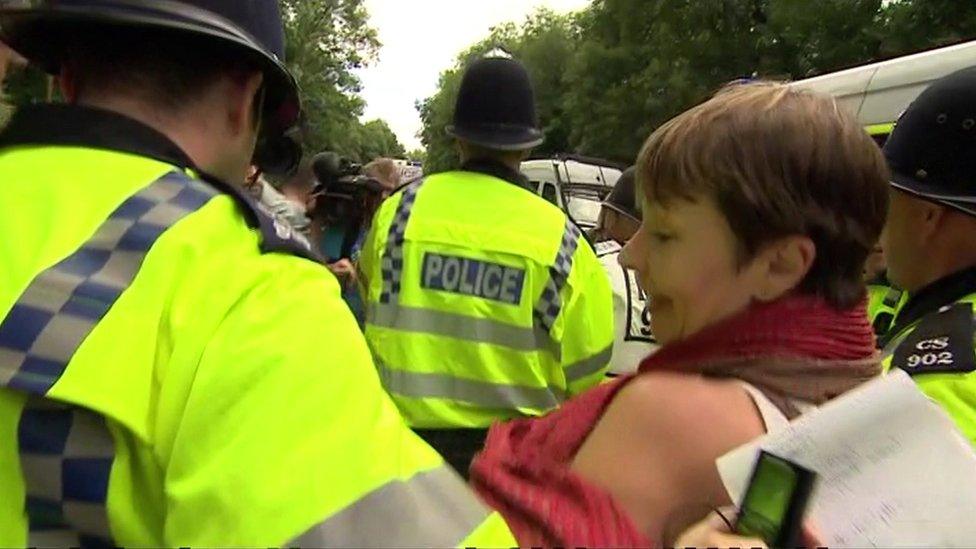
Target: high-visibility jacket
[
  {"x": 169, "y": 378},
  {"x": 484, "y": 301},
  {"x": 933, "y": 339},
  {"x": 884, "y": 301}
]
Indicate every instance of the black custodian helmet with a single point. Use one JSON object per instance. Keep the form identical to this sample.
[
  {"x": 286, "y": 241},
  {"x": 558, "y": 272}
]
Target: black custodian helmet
[
  {"x": 37, "y": 29},
  {"x": 495, "y": 107},
  {"x": 932, "y": 150}
]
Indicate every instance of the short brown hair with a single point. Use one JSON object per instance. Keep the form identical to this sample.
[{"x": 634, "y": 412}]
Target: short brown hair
[
  {"x": 385, "y": 171},
  {"x": 778, "y": 161}
]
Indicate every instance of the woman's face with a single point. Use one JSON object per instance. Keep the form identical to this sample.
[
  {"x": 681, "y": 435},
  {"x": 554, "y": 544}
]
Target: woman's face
[{"x": 685, "y": 257}]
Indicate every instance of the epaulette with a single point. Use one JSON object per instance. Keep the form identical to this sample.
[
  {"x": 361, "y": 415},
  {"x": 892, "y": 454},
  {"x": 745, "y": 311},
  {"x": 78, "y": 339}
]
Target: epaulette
[
  {"x": 277, "y": 234},
  {"x": 942, "y": 342}
]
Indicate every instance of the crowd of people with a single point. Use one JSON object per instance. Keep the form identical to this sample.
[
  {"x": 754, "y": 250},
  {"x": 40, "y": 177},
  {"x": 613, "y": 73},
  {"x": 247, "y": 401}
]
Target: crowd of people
[{"x": 190, "y": 356}]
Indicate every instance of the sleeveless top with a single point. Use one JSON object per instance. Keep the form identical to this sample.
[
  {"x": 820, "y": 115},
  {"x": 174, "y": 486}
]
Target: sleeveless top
[{"x": 773, "y": 417}]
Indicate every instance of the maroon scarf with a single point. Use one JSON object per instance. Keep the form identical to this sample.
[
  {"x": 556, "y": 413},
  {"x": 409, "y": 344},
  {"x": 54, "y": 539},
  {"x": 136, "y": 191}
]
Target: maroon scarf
[{"x": 797, "y": 348}]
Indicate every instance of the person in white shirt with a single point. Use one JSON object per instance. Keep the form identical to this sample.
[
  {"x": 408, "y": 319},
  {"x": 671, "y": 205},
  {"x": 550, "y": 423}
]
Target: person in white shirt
[{"x": 619, "y": 220}]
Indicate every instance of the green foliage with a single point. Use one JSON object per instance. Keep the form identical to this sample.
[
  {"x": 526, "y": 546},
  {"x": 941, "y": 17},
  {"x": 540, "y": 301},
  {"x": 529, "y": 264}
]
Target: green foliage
[
  {"x": 22, "y": 86},
  {"x": 420, "y": 155},
  {"x": 326, "y": 41},
  {"x": 378, "y": 140},
  {"x": 607, "y": 76},
  {"x": 923, "y": 24}
]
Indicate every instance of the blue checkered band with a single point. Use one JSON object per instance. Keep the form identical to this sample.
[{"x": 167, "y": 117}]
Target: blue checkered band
[
  {"x": 62, "y": 306},
  {"x": 66, "y": 455},
  {"x": 391, "y": 264},
  {"x": 550, "y": 303}
]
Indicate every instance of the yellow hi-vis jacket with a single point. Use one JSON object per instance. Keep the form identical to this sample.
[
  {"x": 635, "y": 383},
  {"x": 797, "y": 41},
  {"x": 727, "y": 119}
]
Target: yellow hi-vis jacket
[
  {"x": 884, "y": 301},
  {"x": 484, "y": 302},
  {"x": 933, "y": 339},
  {"x": 169, "y": 378}
]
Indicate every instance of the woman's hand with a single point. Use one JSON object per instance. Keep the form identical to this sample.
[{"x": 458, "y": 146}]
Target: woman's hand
[
  {"x": 345, "y": 271},
  {"x": 714, "y": 532}
]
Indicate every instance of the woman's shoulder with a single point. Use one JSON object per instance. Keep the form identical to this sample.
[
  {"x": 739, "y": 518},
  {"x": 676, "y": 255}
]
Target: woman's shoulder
[{"x": 663, "y": 401}]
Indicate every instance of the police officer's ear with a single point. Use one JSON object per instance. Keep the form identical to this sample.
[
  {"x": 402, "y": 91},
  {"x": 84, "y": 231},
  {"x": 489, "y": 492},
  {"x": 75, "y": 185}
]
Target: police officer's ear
[
  {"x": 926, "y": 219},
  {"x": 781, "y": 266},
  {"x": 244, "y": 96},
  {"x": 67, "y": 84}
]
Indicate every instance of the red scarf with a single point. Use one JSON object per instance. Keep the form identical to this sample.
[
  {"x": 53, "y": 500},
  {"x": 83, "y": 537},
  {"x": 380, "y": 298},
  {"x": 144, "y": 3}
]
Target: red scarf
[{"x": 796, "y": 348}]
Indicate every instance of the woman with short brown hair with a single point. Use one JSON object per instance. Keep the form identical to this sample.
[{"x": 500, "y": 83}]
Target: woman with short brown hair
[{"x": 760, "y": 208}]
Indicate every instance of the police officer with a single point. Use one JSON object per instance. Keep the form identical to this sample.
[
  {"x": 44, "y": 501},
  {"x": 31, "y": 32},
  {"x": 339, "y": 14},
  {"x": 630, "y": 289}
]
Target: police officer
[
  {"x": 930, "y": 247},
  {"x": 172, "y": 372},
  {"x": 484, "y": 302},
  {"x": 620, "y": 219}
]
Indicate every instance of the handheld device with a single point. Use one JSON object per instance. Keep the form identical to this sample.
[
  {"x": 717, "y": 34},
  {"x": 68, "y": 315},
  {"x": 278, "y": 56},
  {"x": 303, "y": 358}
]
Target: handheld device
[{"x": 775, "y": 502}]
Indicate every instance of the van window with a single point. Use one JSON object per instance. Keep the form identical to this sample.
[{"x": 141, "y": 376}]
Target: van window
[{"x": 549, "y": 193}]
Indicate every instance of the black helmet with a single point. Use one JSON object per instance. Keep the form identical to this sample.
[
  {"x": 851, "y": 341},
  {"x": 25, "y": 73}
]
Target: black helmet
[
  {"x": 36, "y": 29},
  {"x": 932, "y": 150},
  {"x": 496, "y": 107},
  {"x": 623, "y": 197}
]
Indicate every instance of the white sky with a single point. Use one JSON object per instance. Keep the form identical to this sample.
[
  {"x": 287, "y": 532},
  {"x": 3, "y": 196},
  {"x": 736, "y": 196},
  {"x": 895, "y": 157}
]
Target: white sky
[{"x": 420, "y": 39}]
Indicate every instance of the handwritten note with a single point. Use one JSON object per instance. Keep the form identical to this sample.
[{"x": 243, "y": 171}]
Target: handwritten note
[{"x": 893, "y": 469}]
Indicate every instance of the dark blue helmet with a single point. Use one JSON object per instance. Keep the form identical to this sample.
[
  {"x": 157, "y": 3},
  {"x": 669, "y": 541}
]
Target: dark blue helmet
[
  {"x": 252, "y": 26},
  {"x": 932, "y": 150},
  {"x": 496, "y": 106}
]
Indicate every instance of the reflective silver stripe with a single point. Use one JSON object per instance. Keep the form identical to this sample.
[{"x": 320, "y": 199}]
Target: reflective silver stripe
[
  {"x": 550, "y": 303},
  {"x": 432, "y": 509},
  {"x": 477, "y": 393},
  {"x": 589, "y": 366},
  {"x": 477, "y": 330},
  {"x": 66, "y": 456},
  {"x": 391, "y": 264},
  {"x": 63, "y": 304}
]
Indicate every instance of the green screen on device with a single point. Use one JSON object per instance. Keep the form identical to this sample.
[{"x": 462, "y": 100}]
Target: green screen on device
[{"x": 767, "y": 500}]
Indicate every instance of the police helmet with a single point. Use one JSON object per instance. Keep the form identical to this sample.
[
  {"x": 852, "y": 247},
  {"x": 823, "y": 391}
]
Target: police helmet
[
  {"x": 932, "y": 150},
  {"x": 37, "y": 29},
  {"x": 623, "y": 197},
  {"x": 496, "y": 108}
]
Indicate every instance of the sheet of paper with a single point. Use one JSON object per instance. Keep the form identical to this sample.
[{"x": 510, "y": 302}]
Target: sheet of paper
[{"x": 893, "y": 469}]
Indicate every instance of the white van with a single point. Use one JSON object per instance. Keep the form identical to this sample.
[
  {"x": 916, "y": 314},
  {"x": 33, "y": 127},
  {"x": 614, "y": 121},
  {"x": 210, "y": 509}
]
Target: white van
[
  {"x": 576, "y": 184},
  {"x": 878, "y": 93}
]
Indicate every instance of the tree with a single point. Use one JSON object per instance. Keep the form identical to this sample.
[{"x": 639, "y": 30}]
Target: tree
[
  {"x": 22, "y": 86},
  {"x": 436, "y": 113},
  {"x": 378, "y": 140},
  {"x": 418, "y": 155},
  {"x": 610, "y": 74},
  {"x": 326, "y": 41},
  {"x": 925, "y": 24}
]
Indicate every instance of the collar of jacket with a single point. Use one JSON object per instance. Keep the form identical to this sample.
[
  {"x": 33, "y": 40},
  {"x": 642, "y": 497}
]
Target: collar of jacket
[
  {"x": 498, "y": 170},
  {"x": 74, "y": 125},
  {"x": 942, "y": 292},
  {"x": 78, "y": 126}
]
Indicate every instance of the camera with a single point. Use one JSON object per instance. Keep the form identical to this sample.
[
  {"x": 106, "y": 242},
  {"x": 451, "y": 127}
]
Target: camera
[{"x": 342, "y": 192}]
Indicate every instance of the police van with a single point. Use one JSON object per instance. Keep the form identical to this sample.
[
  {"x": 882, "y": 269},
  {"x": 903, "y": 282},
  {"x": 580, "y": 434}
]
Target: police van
[
  {"x": 576, "y": 184},
  {"x": 878, "y": 93}
]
